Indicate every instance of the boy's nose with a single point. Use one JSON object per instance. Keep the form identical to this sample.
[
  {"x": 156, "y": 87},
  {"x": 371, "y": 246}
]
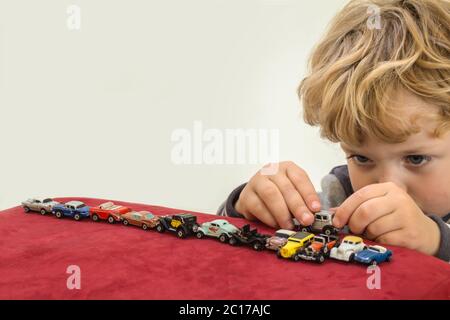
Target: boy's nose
[{"x": 395, "y": 178}]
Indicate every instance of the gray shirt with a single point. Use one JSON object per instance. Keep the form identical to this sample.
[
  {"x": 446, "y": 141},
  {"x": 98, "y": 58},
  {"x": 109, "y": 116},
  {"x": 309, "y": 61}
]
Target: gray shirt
[{"x": 336, "y": 187}]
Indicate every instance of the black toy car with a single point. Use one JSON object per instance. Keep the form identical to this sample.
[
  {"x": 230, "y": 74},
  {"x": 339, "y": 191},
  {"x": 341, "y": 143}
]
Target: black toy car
[
  {"x": 250, "y": 237},
  {"x": 183, "y": 224}
]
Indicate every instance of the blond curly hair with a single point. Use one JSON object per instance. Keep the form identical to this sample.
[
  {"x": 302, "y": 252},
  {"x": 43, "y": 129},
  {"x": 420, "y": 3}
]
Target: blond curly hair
[{"x": 358, "y": 64}]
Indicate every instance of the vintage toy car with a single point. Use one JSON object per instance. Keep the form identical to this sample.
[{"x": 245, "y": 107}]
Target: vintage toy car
[
  {"x": 42, "y": 205},
  {"x": 294, "y": 243},
  {"x": 143, "y": 219},
  {"x": 373, "y": 255},
  {"x": 218, "y": 228},
  {"x": 108, "y": 211},
  {"x": 323, "y": 223},
  {"x": 182, "y": 223},
  {"x": 248, "y": 236},
  {"x": 347, "y": 249},
  {"x": 318, "y": 250},
  {"x": 73, "y": 209},
  {"x": 278, "y": 240}
]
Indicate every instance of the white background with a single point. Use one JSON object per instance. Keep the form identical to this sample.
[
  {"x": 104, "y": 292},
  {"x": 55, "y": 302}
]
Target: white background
[{"x": 91, "y": 112}]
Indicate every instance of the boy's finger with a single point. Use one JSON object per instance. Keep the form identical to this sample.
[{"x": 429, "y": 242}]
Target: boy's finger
[
  {"x": 368, "y": 212},
  {"x": 394, "y": 238},
  {"x": 259, "y": 210},
  {"x": 348, "y": 207},
  {"x": 269, "y": 193},
  {"x": 304, "y": 186},
  {"x": 383, "y": 225},
  {"x": 293, "y": 199}
]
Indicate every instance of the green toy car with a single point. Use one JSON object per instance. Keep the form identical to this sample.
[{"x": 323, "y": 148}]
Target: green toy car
[{"x": 219, "y": 228}]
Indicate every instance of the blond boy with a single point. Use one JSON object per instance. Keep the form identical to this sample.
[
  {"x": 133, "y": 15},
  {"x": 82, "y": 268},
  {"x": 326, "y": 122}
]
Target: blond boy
[{"x": 381, "y": 89}]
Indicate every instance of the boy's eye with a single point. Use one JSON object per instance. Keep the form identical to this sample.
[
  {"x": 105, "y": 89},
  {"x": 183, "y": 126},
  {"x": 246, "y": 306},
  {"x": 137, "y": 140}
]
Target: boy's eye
[
  {"x": 417, "y": 159},
  {"x": 359, "y": 159}
]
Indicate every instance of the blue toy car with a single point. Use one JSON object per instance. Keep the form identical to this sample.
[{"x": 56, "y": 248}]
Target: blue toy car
[
  {"x": 373, "y": 255},
  {"x": 74, "y": 209}
]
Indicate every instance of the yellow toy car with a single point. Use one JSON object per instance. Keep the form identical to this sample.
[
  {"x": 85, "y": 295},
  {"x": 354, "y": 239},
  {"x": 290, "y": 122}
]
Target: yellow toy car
[{"x": 294, "y": 243}]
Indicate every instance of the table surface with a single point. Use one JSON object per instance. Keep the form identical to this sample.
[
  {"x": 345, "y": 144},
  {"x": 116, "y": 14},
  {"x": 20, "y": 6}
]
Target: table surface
[{"x": 126, "y": 262}]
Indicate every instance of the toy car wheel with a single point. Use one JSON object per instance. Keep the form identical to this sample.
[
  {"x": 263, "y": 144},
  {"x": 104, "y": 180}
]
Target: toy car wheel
[
  {"x": 181, "y": 233},
  {"x": 279, "y": 254},
  {"x": 95, "y": 218},
  {"x": 125, "y": 222},
  {"x": 321, "y": 258},
  {"x": 257, "y": 246},
  {"x": 373, "y": 262},
  {"x": 77, "y": 217},
  {"x": 58, "y": 214},
  {"x": 325, "y": 249},
  {"x": 388, "y": 259},
  {"x": 199, "y": 235},
  {"x": 306, "y": 229},
  {"x": 328, "y": 230},
  {"x": 223, "y": 238},
  {"x": 43, "y": 212},
  {"x": 160, "y": 228},
  {"x": 144, "y": 226},
  {"x": 296, "y": 257},
  {"x": 351, "y": 258},
  {"x": 111, "y": 220},
  {"x": 26, "y": 209},
  {"x": 232, "y": 241}
]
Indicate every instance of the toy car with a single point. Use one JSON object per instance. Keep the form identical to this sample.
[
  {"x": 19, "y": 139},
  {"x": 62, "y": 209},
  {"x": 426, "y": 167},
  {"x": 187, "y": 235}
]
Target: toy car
[
  {"x": 218, "y": 228},
  {"x": 294, "y": 244},
  {"x": 323, "y": 223},
  {"x": 250, "y": 237},
  {"x": 43, "y": 206},
  {"x": 143, "y": 219},
  {"x": 373, "y": 255},
  {"x": 279, "y": 239},
  {"x": 183, "y": 224},
  {"x": 318, "y": 250},
  {"x": 73, "y": 209},
  {"x": 347, "y": 249},
  {"x": 108, "y": 211}
]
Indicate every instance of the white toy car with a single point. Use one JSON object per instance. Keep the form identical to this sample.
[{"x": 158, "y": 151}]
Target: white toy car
[
  {"x": 42, "y": 205},
  {"x": 347, "y": 249}
]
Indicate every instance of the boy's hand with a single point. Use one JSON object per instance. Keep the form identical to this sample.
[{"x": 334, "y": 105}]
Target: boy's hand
[
  {"x": 273, "y": 199},
  {"x": 385, "y": 213}
]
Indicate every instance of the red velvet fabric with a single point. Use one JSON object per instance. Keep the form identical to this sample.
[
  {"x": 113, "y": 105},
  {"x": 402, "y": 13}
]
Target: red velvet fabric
[{"x": 119, "y": 262}]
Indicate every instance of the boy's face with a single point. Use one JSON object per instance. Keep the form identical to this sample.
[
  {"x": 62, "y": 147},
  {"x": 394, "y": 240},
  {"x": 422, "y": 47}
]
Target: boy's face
[{"x": 420, "y": 165}]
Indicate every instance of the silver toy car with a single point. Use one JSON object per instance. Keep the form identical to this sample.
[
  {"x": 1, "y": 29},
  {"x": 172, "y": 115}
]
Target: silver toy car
[
  {"x": 42, "y": 205},
  {"x": 323, "y": 223}
]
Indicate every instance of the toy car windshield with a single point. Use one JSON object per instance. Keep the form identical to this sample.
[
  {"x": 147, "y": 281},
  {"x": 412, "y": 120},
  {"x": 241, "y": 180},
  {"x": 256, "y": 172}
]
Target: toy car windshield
[{"x": 281, "y": 235}]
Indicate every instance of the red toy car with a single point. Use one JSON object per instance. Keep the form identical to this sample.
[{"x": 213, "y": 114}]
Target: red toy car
[{"x": 108, "y": 211}]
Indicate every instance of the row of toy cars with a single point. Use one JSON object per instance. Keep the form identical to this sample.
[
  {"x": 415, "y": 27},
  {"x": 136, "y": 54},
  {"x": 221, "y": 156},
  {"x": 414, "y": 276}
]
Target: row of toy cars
[{"x": 298, "y": 245}]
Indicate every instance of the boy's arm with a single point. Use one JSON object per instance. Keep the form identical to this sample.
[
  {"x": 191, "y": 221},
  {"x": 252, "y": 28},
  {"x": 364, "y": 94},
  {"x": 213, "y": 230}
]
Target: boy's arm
[
  {"x": 444, "y": 246},
  {"x": 227, "y": 208}
]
